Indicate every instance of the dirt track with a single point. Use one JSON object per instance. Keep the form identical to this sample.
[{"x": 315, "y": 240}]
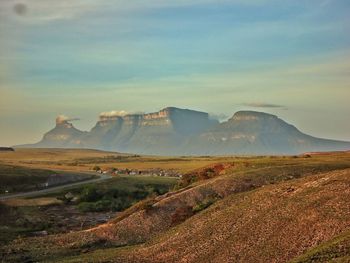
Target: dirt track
[{"x": 53, "y": 189}]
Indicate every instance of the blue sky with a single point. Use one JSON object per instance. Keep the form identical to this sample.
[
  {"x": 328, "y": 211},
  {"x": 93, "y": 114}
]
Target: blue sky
[{"x": 82, "y": 57}]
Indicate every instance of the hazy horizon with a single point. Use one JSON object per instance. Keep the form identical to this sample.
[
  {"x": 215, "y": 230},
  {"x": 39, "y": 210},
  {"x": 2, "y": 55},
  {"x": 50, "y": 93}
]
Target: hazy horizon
[{"x": 82, "y": 57}]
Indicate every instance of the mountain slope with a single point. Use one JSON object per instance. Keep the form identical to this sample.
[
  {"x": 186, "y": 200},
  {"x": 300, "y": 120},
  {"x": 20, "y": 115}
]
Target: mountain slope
[{"x": 249, "y": 132}]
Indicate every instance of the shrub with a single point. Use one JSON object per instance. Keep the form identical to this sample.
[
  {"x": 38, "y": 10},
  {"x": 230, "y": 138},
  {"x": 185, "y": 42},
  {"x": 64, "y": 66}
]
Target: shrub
[
  {"x": 119, "y": 204},
  {"x": 89, "y": 194},
  {"x": 66, "y": 198},
  {"x": 204, "y": 204},
  {"x": 99, "y": 206},
  {"x": 4, "y": 208},
  {"x": 181, "y": 214}
]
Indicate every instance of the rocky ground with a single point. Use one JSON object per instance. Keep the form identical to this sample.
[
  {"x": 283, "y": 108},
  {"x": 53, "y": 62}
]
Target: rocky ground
[{"x": 68, "y": 218}]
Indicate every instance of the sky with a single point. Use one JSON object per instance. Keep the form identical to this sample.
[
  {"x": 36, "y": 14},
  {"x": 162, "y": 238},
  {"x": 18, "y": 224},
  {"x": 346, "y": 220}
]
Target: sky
[{"x": 82, "y": 57}]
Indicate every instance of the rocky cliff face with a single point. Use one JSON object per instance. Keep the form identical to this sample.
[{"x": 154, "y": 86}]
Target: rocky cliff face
[
  {"x": 174, "y": 131},
  {"x": 104, "y": 131},
  {"x": 166, "y": 130}
]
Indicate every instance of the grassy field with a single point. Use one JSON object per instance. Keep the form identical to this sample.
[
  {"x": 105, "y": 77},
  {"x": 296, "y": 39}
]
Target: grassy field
[
  {"x": 85, "y": 160},
  {"x": 14, "y": 178},
  {"x": 17, "y": 179}
]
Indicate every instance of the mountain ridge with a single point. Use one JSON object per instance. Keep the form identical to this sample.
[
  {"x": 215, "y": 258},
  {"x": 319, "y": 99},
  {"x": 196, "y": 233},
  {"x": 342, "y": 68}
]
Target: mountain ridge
[{"x": 175, "y": 131}]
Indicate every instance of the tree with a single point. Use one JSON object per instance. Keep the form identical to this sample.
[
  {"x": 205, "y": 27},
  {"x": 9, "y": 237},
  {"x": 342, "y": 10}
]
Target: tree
[{"x": 96, "y": 168}]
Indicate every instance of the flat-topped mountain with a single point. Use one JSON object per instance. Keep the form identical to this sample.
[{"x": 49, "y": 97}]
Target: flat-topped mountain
[
  {"x": 64, "y": 135},
  {"x": 174, "y": 131},
  {"x": 250, "y": 132}
]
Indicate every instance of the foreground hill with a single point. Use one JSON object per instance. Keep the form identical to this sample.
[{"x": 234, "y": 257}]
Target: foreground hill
[
  {"x": 174, "y": 131},
  {"x": 251, "y": 210},
  {"x": 274, "y": 224}
]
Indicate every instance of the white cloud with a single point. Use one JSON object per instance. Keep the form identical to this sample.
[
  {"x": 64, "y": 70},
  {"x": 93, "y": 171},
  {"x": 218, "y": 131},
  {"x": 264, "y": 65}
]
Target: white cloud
[
  {"x": 113, "y": 113},
  {"x": 262, "y": 105},
  {"x": 63, "y": 119}
]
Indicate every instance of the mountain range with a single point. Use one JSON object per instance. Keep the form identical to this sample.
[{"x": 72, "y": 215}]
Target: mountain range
[{"x": 175, "y": 131}]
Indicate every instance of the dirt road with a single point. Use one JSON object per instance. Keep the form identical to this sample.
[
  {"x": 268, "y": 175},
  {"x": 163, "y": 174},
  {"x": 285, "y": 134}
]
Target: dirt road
[{"x": 102, "y": 177}]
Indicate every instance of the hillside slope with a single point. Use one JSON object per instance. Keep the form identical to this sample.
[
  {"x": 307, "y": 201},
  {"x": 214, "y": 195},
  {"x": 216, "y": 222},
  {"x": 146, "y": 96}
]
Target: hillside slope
[
  {"x": 272, "y": 224},
  {"x": 334, "y": 250}
]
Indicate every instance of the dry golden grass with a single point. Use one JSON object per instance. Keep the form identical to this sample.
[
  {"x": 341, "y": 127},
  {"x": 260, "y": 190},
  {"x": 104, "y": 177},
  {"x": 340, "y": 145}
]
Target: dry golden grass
[
  {"x": 84, "y": 160},
  {"x": 42, "y": 201},
  {"x": 265, "y": 204},
  {"x": 272, "y": 224},
  {"x": 50, "y": 158}
]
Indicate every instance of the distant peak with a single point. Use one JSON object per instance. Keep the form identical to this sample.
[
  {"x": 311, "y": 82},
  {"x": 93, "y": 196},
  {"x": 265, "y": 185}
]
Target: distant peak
[
  {"x": 171, "y": 108},
  {"x": 175, "y": 109}
]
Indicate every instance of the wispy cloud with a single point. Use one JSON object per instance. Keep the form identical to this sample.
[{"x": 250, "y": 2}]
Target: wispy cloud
[
  {"x": 45, "y": 11},
  {"x": 218, "y": 116},
  {"x": 262, "y": 105}
]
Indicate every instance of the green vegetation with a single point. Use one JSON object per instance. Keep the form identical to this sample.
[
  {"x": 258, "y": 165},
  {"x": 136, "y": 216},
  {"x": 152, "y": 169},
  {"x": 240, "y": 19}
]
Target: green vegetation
[
  {"x": 117, "y": 194},
  {"x": 15, "y": 179},
  {"x": 19, "y": 221},
  {"x": 205, "y": 203},
  {"x": 89, "y": 194},
  {"x": 97, "y": 198}
]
